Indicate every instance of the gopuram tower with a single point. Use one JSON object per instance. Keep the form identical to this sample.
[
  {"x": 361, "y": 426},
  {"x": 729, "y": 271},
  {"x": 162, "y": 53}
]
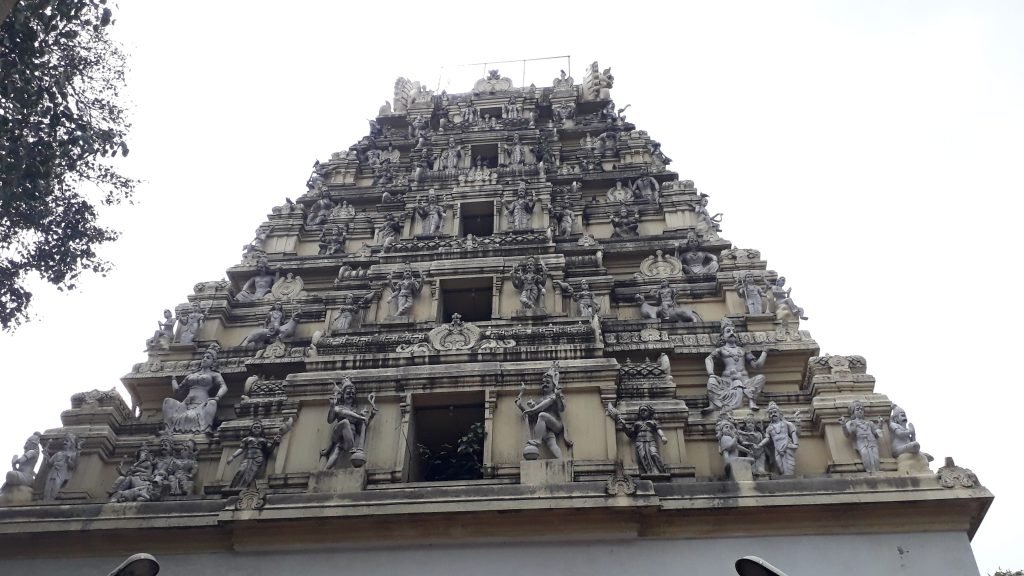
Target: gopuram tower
[{"x": 497, "y": 335}]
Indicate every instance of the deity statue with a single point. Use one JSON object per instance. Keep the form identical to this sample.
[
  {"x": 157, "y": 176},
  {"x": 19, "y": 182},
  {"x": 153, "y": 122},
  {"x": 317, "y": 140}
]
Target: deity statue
[
  {"x": 516, "y": 153},
  {"x": 164, "y": 333},
  {"x": 255, "y": 246},
  {"x": 470, "y": 114},
  {"x": 348, "y": 426},
  {"x": 383, "y": 174},
  {"x": 752, "y": 294},
  {"x": 708, "y": 226},
  {"x": 647, "y": 187},
  {"x": 190, "y": 324},
  {"x": 321, "y": 210},
  {"x": 260, "y": 284},
  {"x": 332, "y": 240},
  {"x": 562, "y": 219},
  {"x": 185, "y": 466},
  {"x": 784, "y": 438},
  {"x": 646, "y": 433},
  {"x": 403, "y": 292},
  {"x": 60, "y": 464},
  {"x": 134, "y": 482},
  {"x": 563, "y": 111},
  {"x": 23, "y": 468},
  {"x": 695, "y": 260},
  {"x": 254, "y": 449},
  {"x": 864, "y": 434},
  {"x": 727, "y": 392},
  {"x": 729, "y": 445},
  {"x": 586, "y": 305},
  {"x": 563, "y": 82},
  {"x": 203, "y": 390},
  {"x": 543, "y": 417},
  {"x": 452, "y": 156},
  {"x": 431, "y": 213},
  {"x": 271, "y": 326},
  {"x": 388, "y": 231},
  {"x": 750, "y": 433},
  {"x": 618, "y": 193},
  {"x": 529, "y": 278},
  {"x": 667, "y": 308},
  {"x": 348, "y": 311},
  {"x": 315, "y": 182},
  {"x": 625, "y": 225},
  {"x": 904, "y": 437},
  {"x": 784, "y": 306},
  {"x": 606, "y": 143},
  {"x": 344, "y": 210},
  {"x": 519, "y": 211},
  {"x": 418, "y": 125},
  {"x": 390, "y": 154}
]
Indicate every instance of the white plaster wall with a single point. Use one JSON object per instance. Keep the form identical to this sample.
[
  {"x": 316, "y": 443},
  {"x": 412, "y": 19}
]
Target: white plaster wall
[{"x": 914, "y": 554}]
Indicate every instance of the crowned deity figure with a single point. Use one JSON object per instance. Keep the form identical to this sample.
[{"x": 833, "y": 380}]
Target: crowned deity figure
[
  {"x": 519, "y": 210},
  {"x": 349, "y": 311},
  {"x": 752, "y": 294},
  {"x": 388, "y": 231},
  {"x": 321, "y": 210},
  {"x": 694, "y": 260},
  {"x": 348, "y": 426},
  {"x": 60, "y": 464},
  {"x": 562, "y": 219},
  {"x": 586, "y": 305},
  {"x": 529, "y": 278},
  {"x": 784, "y": 438},
  {"x": 403, "y": 292},
  {"x": 864, "y": 434},
  {"x": 728, "y": 391},
  {"x": 543, "y": 417},
  {"x": 516, "y": 154},
  {"x": 785, "y": 308},
  {"x": 624, "y": 224},
  {"x": 646, "y": 434},
  {"x": 190, "y": 322},
  {"x": 257, "y": 287},
  {"x": 164, "y": 333},
  {"x": 431, "y": 213},
  {"x": 254, "y": 449},
  {"x": 203, "y": 389}
]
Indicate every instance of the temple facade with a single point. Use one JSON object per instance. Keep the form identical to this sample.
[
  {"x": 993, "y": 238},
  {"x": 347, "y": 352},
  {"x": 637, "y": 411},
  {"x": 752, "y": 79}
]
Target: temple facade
[{"x": 497, "y": 335}]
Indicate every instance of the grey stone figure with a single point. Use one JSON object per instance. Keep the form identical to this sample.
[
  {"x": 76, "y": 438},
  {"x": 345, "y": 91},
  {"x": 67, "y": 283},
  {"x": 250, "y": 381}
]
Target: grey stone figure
[
  {"x": 562, "y": 219},
  {"x": 164, "y": 333},
  {"x": 60, "y": 464},
  {"x": 752, "y": 294},
  {"x": 619, "y": 193},
  {"x": 596, "y": 84},
  {"x": 647, "y": 187},
  {"x": 750, "y": 433},
  {"x": 904, "y": 437},
  {"x": 431, "y": 214},
  {"x": 23, "y": 468},
  {"x": 349, "y": 311},
  {"x": 203, "y": 390},
  {"x": 185, "y": 467},
  {"x": 519, "y": 210},
  {"x": 708, "y": 226},
  {"x": 255, "y": 246},
  {"x": 728, "y": 391},
  {"x": 667, "y": 308},
  {"x": 259, "y": 285},
  {"x": 135, "y": 482},
  {"x": 694, "y": 260},
  {"x": 451, "y": 157},
  {"x": 543, "y": 417},
  {"x": 529, "y": 278},
  {"x": 646, "y": 434},
  {"x": 864, "y": 434},
  {"x": 348, "y": 426},
  {"x": 403, "y": 292},
  {"x": 516, "y": 153},
  {"x": 784, "y": 306},
  {"x": 254, "y": 449},
  {"x": 332, "y": 240},
  {"x": 321, "y": 210},
  {"x": 586, "y": 305},
  {"x": 190, "y": 324},
  {"x": 784, "y": 439},
  {"x": 388, "y": 231},
  {"x": 729, "y": 445},
  {"x": 624, "y": 224},
  {"x": 261, "y": 337}
]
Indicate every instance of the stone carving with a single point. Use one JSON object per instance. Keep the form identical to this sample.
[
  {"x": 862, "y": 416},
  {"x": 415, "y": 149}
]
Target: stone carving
[
  {"x": 450, "y": 158},
  {"x": 659, "y": 161},
  {"x": 708, "y": 226},
  {"x": 667, "y": 308},
  {"x": 624, "y": 224},
  {"x": 344, "y": 210},
  {"x": 647, "y": 187},
  {"x": 494, "y": 82},
  {"x": 403, "y": 292},
  {"x": 135, "y": 482},
  {"x": 59, "y": 462},
  {"x": 388, "y": 231},
  {"x": 904, "y": 437},
  {"x": 607, "y": 143},
  {"x": 784, "y": 438},
  {"x": 729, "y": 447},
  {"x": 191, "y": 320},
  {"x": 563, "y": 82},
  {"x": 619, "y": 483},
  {"x": 288, "y": 288},
  {"x": 864, "y": 434},
  {"x": 563, "y": 111},
  {"x": 274, "y": 328},
  {"x": 23, "y": 468},
  {"x": 349, "y": 311},
  {"x": 252, "y": 250},
  {"x": 597, "y": 85},
  {"x": 661, "y": 266},
  {"x": 751, "y": 436},
  {"x": 516, "y": 154},
  {"x": 587, "y": 239},
  {"x": 586, "y": 305},
  {"x": 646, "y": 434},
  {"x": 332, "y": 240},
  {"x": 752, "y": 294},
  {"x": 785, "y": 308},
  {"x": 348, "y": 426},
  {"x": 164, "y": 334},
  {"x": 431, "y": 214},
  {"x": 543, "y": 417},
  {"x": 384, "y": 174},
  {"x": 289, "y": 207},
  {"x": 255, "y": 449},
  {"x": 619, "y": 194},
  {"x": 562, "y": 219},
  {"x": 408, "y": 93},
  {"x": 953, "y": 476},
  {"x": 529, "y": 278},
  {"x": 203, "y": 390},
  {"x": 257, "y": 287},
  {"x": 385, "y": 109},
  {"x": 456, "y": 335},
  {"x": 519, "y": 210},
  {"x": 321, "y": 210},
  {"x": 728, "y": 391},
  {"x": 694, "y": 260}
]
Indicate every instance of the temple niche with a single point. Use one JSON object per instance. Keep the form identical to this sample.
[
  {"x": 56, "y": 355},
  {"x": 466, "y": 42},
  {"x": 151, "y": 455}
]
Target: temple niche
[{"x": 499, "y": 307}]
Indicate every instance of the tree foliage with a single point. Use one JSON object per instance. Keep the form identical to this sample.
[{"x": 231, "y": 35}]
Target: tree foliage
[{"x": 61, "y": 122}]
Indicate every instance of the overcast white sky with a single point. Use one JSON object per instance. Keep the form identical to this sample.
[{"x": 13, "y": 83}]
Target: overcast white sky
[{"x": 871, "y": 150}]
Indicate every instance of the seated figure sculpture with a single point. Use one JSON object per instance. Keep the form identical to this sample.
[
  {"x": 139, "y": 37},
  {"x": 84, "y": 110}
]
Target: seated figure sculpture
[
  {"x": 785, "y": 308},
  {"x": 332, "y": 240},
  {"x": 904, "y": 442},
  {"x": 694, "y": 260},
  {"x": 728, "y": 391},
  {"x": 543, "y": 417},
  {"x": 348, "y": 426},
  {"x": 667, "y": 308},
  {"x": 625, "y": 225},
  {"x": 321, "y": 210},
  {"x": 164, "y": 333},
  {"x": 23, "y": 468},
  {"x": 257, "y": 287},
  {"x": 203, "y": 390}
]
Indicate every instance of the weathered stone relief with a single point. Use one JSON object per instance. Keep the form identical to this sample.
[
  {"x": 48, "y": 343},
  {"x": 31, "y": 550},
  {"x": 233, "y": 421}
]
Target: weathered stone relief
[
  {"x": 404, "y": 289},
  {"x": 864, "y": 434},
  {"x": 255, "y": 449},
  {"x": 695, "y": 261},
  {"x": 519, "y": 210},
  {"x": 624, "y": 224},
  {"x": 203, "y": 389},
  {"x": 23, "y": 468},
  {"x": 666, "y": 308},
  {"x": 259, "y": 285},
  {"x": 530, "y": 277},
  {"x": 60, "y": 460},
  {"x": 646, "y": 434},
  {"x": 348, "y": 426},
  {"x": 164, "y": 334},
  {"x": 735, "y": 386},
  {"x": 543, "y": 417}
]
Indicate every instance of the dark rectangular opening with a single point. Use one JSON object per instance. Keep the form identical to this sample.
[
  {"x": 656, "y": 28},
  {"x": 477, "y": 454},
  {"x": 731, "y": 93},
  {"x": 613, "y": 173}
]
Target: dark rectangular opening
[
  {"x": 469, "y": 297},
  {"x": 477, "y": 218},
  {"x": 488, "y": 153},
  {"x": 449, "y": 437}
]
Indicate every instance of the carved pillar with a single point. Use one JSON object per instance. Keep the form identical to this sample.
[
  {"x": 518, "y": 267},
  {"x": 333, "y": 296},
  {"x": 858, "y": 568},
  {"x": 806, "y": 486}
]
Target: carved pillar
[{"x": 402, "y": 454}]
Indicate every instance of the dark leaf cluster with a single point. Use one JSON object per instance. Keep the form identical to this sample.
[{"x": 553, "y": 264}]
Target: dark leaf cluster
[
  {"x": 463, "y": 461},
  {"x": 61, "y": 124}
]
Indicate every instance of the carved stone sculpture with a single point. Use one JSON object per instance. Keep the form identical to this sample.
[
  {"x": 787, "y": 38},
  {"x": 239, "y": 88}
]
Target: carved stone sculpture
[
  {"x": 529, "y": 278},
  {"x": 646, "y": 434},
  {"x": 586, "y": 305},
  {"x": 729, "y": 447},
  {"x": 784, "y": 439},
  {"x": 388, "y": 231},
  {"x": 164, "y": 334},
  {"x": 349, "y": 311},
  {"x": 597, "y": 84},
  {"x": 728, "y": 391},
  {"x": 543, "y": 417},
  {"x": 516, "y": 154},
  {"x": 190, "y": 323},
  {"x": 60, "y": 463},
  {"x": 348, "y": 426},
  {"x": 667, "y": 308},
  {"x": 321, "y": 210},
  {"x": 750, "y": 433},
  {"x": 203, "y": 390},
  {"x": 254, "y": 248},
  {"x": 23, "y": 468},
  {"x": 708, "y": 226},
  {"x": 431, "y": 214},
  {"x": 519, "y": 210},
  {"x": 752, "y": 294},
  {"x": 274, "y": 328},
  {"x": 451, "y": 157},
  {"x": 563, "y": 82},
  {"x": 624, "y": 224},
  {"x": 785, "y": 308},
  {"x": 254, "y": 449},
  {"x": 403, "y": 292},
  {"x": 647, "y": 187},
  {"x": 562, "y": 219},
  {"x": 134, "y": 482},
  {"x": 694, "y": 260},
  {"x": 332, "y": 240},
  {"x": 260, "y": 284},
  {"x": 864, "y": 434},
  {"x": 618, "y": 193}
]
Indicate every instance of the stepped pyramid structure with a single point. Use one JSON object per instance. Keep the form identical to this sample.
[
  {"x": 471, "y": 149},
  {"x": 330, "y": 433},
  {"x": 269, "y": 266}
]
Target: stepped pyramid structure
[{"x": 497, "y": 335}]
